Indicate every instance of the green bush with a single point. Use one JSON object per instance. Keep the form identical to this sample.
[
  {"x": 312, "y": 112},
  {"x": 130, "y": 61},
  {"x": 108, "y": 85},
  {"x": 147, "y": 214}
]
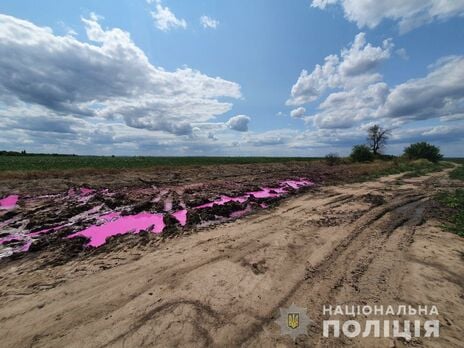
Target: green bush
[
  {"x": 423, "y": 150},
  {"x": 361, "y": 153},
  {"x": 458, "y": 173},
  {"x": 454, "y": 201}
]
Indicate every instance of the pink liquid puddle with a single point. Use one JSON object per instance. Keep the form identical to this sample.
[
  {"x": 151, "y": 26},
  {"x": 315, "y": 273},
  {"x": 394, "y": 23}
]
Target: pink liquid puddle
[
  {"x": 10, "y": 238},
  {"x": 125, "y": 224},
  {"x": 223, "y": 200},
  {"x": 28, "y": 238},
  {"x": 26, "y": 246},
  {"x": 268, "y": 192},
  {"x": 296, "y": 184},
  {"x": 47, "y": 230},
  {"x": 112, "y": 223},
  {"x": 109, "y": 217},
  {"x": 265, "y": 192},
  {"x": 181, "y": 216},
  {"x": 9, "y": 202}
]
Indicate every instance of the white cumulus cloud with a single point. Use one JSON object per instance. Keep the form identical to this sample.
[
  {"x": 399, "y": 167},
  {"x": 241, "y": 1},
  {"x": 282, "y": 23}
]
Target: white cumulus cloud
[
  {"x": 239, "y": 123},
  {"x": 409, "y": 14},
  {"x": 298, "y": 112},
  {"x": 108, "y": 79},
  {"x": 165, "y": 19},
  {"x": 354, "y": 67},
  {"x": 439, "y": 94},
  {"x": 208, "y": 22}
]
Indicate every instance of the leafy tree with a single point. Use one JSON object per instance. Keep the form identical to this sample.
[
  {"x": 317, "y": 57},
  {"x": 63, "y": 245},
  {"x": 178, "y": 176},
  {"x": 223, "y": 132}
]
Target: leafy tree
[
  {"x": 423, "y": 150},
  {"x": 361, "y": 153},
  {"x": 377, "y": 138}
]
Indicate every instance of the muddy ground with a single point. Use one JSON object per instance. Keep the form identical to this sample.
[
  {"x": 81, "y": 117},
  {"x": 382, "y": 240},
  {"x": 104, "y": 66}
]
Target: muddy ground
[
  {"x": 219, "y": 176},
  {"x": 376, "y": 242},
  {"x": 55, "y": 205}
]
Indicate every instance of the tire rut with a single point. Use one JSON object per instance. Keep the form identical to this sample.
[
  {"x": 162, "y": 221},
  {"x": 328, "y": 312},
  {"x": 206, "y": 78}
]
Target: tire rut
[{"x": 334, "y": 261}]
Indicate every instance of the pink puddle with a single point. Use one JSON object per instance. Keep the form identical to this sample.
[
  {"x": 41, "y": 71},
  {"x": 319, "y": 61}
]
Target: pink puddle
[
  {"x": 26, "y": 246},
  {"x": 28, "y": 238},
  {"x": 47, "y": 230},
  {"x": 10, "y": 238},
  {"x": 111, "y": 224},
  {"x": 109, "y": 217},
  {"x": 9, "y": 202},
  {"x": 125, "y": 224},
  {"x": 223, "y": 200},
  {"x": 296, "y": 184},
  {"x": 181, "y": 216},
  {"x": 265, "y": 192}
]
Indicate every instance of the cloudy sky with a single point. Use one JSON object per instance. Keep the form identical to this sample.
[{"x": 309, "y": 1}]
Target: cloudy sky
[{"x": 230, "y": 77}]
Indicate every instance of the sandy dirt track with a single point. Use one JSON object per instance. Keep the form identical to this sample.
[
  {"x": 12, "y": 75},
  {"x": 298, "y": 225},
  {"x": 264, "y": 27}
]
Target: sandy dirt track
[{"x": 367, "y": 243}]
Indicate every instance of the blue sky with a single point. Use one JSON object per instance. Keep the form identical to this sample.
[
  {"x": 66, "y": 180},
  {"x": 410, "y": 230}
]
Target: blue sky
[{"x": 225, "y": 77}]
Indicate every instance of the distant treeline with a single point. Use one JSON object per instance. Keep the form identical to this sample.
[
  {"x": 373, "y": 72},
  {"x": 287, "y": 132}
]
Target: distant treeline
[{"x": 24, "y": 153}]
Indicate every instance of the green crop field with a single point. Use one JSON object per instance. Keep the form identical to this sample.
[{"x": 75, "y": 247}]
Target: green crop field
[{"x": 59, "y": 162}]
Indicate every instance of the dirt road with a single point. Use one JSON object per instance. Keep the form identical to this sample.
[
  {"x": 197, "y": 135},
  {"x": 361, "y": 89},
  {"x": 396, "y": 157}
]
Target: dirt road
[{"x": 368, "y": 243}]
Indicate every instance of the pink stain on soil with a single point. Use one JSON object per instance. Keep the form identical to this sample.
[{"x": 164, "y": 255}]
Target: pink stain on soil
[
  {"x": 265, "y": 192},
  {"x": 86, "y": 191},
  {"x": 112, "y": 223},
  {"x": 223, "y": 200},
  {"x": 28, "y": 238},
  {"x": 47, "y": 230},
  {"x": 168, "y": 204},
  {"x": 9, "y": 202},
  {"x": 10, "y": 238},
  {"x": 296, "y": 184},
  {"x": 240, "y": 213},
  {"x": 82, "y": 192},
  {"x": 109, "y": 217},
  {"x": 268, "y": 192},
  {"x": 181, "y": 216},
  {"x": 123, "y": 225},
  {"x": 26, "y": 246}
]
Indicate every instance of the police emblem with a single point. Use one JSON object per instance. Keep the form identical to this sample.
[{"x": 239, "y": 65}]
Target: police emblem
[{"x": 293, "y": 321}]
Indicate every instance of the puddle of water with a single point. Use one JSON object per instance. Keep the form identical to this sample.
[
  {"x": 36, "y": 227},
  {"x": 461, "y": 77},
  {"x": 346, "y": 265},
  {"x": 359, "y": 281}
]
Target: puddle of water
[
  {"x": 9, "y": 202},
  {"x": 123, "y": 225}
]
